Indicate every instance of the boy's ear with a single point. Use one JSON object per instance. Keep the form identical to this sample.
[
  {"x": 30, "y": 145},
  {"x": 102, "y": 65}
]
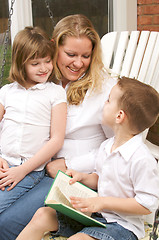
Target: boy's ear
[{"x": 120, "y": 116}]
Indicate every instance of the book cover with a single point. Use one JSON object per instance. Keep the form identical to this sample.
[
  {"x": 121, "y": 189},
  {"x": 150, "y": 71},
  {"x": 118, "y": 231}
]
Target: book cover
[{"x": 59, "y": 194}]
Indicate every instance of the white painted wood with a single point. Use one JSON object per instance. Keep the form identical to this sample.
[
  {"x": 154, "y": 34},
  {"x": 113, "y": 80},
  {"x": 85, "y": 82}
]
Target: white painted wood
[
  {"x": 139, "y": 54},
  {"x": 120, "y": 51},
  {"x": 147, "y": 57},
  {"x": 108, "y": 40},
  {"x": 136, "y": 55},
  {"x": 22, "y": 16},
  {"x": 129, "y": 56}
]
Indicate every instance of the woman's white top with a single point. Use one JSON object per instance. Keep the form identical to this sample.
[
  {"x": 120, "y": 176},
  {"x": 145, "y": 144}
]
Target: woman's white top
[
  {"x": 84, "y": 132},
  {"x": 26, "y": 122},
  {"x": 130, "y": 171}
]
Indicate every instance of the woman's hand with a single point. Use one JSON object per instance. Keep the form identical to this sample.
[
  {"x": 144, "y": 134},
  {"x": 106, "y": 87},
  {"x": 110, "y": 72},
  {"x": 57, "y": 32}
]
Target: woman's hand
[{"x": 55, "y": 165}]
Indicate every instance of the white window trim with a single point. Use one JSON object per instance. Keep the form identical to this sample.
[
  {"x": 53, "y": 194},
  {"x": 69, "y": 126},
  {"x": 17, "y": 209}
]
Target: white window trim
[
  {"x": 22, "y": 16},
  {"x": 124, "y": 15}
]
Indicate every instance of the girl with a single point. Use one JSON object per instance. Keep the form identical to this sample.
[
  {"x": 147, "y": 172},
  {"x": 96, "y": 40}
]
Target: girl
[{"x": 34, "y": 115}]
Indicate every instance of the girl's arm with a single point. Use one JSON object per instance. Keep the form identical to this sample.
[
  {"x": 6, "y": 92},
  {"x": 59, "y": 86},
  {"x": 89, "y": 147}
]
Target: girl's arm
[
  {"x": 3, "y": 162},
  {"x": 58, "y": 125}
]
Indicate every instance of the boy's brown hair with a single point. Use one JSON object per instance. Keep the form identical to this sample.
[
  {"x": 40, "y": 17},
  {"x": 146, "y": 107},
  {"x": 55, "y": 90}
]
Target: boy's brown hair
[{"x": 140, "y": 102}]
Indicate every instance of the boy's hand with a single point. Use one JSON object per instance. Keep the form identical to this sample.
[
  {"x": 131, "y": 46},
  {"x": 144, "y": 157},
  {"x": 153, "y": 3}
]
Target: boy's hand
[
  {"x": 11, "y": 176},
  {"x": 76, "y": 176},
  {"x": 87, "y": 204}
]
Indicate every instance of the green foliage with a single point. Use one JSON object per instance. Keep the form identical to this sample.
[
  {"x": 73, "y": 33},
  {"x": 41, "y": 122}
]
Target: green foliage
[{"x": 7, "y": 64}]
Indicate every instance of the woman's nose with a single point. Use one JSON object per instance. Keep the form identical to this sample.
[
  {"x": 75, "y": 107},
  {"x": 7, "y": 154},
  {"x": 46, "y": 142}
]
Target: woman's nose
[{"x": 78, "y": 62}]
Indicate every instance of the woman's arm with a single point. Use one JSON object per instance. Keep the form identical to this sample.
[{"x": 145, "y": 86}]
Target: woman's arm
[{"x": 58, "y": 125}]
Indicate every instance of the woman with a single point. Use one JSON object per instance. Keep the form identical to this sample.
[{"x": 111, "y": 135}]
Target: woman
[{"x": 79, "y": 69}]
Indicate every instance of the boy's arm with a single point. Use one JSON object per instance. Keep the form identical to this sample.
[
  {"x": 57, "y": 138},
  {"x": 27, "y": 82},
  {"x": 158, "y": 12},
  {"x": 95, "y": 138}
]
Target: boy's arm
[
  {"x": 101, "y": 204},
  {"x": 58, "y": 125},
  {"x": 90, "y": 180}
]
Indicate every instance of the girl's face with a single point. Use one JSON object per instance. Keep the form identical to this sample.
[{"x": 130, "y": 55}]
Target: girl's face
[
  {"x": 74, "y": 58},
  {"x": 38, "y": 70}
]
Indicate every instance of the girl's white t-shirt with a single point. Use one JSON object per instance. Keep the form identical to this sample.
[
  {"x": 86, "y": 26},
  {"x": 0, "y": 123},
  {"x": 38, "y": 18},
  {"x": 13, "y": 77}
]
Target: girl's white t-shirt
[{"x": 26, "y": 122}]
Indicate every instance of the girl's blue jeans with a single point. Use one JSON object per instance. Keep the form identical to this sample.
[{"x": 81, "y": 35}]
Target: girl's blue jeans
[
  {"x": 18, "y": 206},
  {"x": 7, "y": 198}
]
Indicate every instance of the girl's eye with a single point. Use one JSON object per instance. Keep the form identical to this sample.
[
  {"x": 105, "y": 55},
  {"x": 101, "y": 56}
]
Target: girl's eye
[
  {"x": 48, "y": 61},
  {"x": 34, "y": 64}
]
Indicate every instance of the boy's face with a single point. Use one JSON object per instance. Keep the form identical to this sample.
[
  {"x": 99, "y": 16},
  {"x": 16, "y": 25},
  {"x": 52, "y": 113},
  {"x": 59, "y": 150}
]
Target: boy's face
[{"x": 111, "y": 108}]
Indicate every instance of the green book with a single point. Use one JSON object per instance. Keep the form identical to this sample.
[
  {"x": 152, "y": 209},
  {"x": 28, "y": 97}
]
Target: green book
[{"x": 59, "y": 194}]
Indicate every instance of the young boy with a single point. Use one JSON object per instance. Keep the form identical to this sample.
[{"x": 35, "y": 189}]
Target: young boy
[{"x": 126, "y": 173}]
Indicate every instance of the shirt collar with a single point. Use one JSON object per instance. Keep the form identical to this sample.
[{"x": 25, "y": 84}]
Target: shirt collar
[
  {"x": 37, "y": 86},
  {"x": 128, "y": 148}
]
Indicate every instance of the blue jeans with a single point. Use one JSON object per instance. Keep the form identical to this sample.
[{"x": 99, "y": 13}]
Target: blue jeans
[
  {"x": 19, "y": 213},
  {"x": 7, "y": 198},
  {"x": 113, "y": 230}
]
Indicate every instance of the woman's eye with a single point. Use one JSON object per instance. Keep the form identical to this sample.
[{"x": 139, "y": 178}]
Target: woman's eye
[
  {"x": 85, "y": 56},
  {"x": 34, "y": 64},
  {"x": 70, "y": 54}
]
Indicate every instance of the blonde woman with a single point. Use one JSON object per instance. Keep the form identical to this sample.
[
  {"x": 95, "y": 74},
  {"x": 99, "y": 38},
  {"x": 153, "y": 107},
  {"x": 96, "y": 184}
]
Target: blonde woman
[{"x": 79, "y": 69}]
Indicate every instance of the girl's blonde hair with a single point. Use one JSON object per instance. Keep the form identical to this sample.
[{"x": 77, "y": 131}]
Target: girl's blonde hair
[
  {"x": 78, "y": 26},
  {"x": 29, "y": 43}
]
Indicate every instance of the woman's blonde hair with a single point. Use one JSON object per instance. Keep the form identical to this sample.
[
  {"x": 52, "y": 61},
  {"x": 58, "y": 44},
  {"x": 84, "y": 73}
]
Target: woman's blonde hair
[
  {"x": 29, "y": 43},
  {"x": 78, "y": 26}
]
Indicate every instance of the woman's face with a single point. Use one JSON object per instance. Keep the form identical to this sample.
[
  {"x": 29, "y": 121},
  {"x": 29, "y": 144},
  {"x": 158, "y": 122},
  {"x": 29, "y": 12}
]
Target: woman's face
[{"x": 74, "y": 58}]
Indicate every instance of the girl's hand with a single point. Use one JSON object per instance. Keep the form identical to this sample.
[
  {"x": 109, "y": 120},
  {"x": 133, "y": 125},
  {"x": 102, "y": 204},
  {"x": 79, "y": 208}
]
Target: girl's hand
[
  {"x": 11, "y": 176},
  {"x": 3, "y": 165},
  {"x": 87, "y": 204}
]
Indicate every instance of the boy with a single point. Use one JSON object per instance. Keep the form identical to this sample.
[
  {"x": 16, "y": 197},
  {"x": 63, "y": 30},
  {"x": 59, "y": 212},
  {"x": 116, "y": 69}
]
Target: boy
[{"x": 126, "y": 173}]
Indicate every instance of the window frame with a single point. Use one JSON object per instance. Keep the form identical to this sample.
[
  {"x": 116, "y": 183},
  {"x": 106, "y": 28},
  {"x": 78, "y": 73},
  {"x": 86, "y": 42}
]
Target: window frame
[{"x": 123, "y": 18}]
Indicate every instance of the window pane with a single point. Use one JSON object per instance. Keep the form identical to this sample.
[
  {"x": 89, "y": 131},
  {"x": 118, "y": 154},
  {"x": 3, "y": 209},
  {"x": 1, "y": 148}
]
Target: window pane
[{"x": 95, "y": 10}]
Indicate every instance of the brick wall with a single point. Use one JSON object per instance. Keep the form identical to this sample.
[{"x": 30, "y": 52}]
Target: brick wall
[
  {"x": 148, "y": 19},
  {"x": 148, "y": 15}
]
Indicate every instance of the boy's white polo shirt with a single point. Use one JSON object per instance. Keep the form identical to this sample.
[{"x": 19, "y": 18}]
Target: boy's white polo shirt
[{"x": 128, "y": 172}]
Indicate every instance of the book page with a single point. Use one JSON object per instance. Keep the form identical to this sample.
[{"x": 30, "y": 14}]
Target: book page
[
  {"x": 60, "y": 198},
  {"x": 77, "y": 189},
  {"x": 61, "y": 190}
]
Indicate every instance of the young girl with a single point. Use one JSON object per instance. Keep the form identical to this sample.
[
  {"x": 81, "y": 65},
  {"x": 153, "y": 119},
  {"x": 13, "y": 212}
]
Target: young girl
[{"x": 34, "y": 115}]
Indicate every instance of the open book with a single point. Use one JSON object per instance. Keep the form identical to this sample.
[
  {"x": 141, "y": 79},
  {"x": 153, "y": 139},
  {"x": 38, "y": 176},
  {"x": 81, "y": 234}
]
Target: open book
[{"x": 59, "y": 194}]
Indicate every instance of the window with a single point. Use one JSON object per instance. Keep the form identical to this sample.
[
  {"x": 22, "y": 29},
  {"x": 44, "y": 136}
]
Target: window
[{"x": 95, "y": 10}]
